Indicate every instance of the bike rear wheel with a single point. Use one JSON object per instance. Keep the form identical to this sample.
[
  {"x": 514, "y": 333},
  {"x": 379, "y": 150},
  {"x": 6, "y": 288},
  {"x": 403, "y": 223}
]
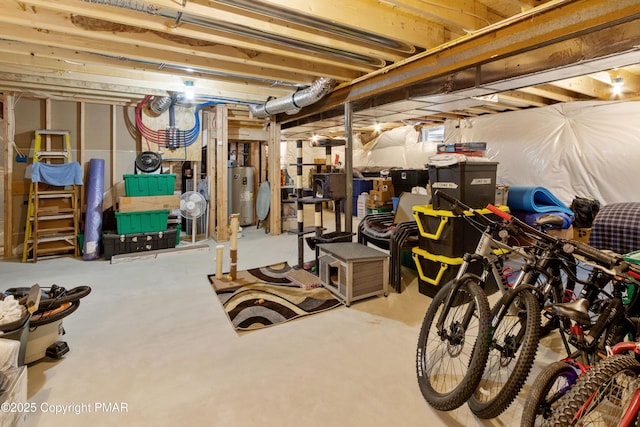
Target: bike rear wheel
[
  {"x": 602, "y": 396},
  {"x": 514, "y": 343},
  {"x": 550, "y": 385},
  {"x": 450, "y": 360}
]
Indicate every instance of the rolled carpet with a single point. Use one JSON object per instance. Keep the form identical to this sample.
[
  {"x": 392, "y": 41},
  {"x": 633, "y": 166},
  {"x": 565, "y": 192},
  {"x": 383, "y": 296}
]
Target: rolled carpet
[{"x": 535, "y": 199}]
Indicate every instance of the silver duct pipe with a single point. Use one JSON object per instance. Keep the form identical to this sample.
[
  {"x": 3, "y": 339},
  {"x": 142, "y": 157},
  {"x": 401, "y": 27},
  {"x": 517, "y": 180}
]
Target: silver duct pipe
[
  {"x": 293, "y": 103},
  {"x": 141, "y": 6},
  {"x": 332, "y": 27},
  {"x": 160, "y": 104}
]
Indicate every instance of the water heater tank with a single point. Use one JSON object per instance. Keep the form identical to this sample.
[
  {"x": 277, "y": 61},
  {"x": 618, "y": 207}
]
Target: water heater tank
[{"x": 241, "y": 197}]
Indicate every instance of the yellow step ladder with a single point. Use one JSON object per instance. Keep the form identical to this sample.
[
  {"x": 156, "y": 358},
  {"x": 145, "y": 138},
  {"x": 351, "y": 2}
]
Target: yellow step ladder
[{"x": 52, "y": 212}]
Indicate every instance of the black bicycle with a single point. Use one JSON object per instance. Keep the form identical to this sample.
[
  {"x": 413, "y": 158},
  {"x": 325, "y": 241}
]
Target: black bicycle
[
  {"x": 460, "y": 331},
  {"x": 604, "y": 314}
]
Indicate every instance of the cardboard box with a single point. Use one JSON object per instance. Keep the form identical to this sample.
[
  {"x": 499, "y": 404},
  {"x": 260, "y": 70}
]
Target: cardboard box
[
  {"x": 502, "y": 194},
  {"x": 581, "y": 234},
  {"x": 383, "y": 184},
  {"x": 563, "y": 233},
  {"x": 380, "y": 196},
  {"x": 148, "y": 203}
]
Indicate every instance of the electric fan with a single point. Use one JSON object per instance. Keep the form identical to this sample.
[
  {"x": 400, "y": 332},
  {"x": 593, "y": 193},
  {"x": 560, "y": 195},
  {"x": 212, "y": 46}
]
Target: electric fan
[
  {"x": 148, "y": 162},
  {"x": 192, "y": 206}
]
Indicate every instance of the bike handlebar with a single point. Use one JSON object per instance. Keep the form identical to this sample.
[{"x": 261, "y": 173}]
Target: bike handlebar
[
  {"x": 502, "y": 214},
  {"x": 594, "y": 254}
]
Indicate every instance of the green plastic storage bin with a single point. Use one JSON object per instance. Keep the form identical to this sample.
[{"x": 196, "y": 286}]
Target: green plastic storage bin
[
  {"x": 149, "y": 184},
  {"x": 633, "y": 257},
  {"x": 142, "y": 222}
]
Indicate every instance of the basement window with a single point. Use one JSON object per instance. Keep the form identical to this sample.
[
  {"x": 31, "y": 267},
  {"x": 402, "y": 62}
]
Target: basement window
[{"x": 432, "y": 134}]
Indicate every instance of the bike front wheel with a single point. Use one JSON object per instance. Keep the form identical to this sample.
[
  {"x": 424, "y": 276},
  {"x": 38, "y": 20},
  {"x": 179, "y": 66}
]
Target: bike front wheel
[
  {"x": 450, "y": 359},
  {"x": 515, "y": 328},
  {"x": 550, "y": 385}
]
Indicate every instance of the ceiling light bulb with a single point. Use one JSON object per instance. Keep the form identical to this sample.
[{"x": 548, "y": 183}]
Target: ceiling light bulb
[
  {"x": 188, "y": 92},
  {"x": 377, "y": 127},
  {"x": 617, "y": 85}
]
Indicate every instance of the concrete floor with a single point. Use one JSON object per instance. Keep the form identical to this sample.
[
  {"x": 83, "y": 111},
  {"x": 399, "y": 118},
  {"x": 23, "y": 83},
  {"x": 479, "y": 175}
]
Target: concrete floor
[{"x": 153, "y": 338}]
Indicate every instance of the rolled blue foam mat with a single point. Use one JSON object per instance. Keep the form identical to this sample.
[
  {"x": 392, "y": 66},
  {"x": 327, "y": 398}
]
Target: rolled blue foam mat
[
  {"x": 93, "y": 218},
  {"x": 535, "y": 199}
]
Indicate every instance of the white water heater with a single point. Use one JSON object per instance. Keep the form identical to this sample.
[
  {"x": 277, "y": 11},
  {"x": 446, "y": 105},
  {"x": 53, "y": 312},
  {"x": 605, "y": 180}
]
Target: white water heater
[{"x": 241, "y": 194}]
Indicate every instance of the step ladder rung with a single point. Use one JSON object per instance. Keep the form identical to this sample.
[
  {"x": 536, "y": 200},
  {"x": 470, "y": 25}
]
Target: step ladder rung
[
  {"x": 51, "y": 217},
  {"x": 42, "y": 154},
  {"x": 56, "y": 230},
  {"x": 52, "y": 132},
  {"x": 52, "y": 194},
  {"x": 55, "y": 238},
  {"x": 55, "y": 249}
]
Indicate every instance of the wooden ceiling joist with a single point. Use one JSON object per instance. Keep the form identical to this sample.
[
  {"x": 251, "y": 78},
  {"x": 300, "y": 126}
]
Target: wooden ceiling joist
[{"x": 562, "y": 27}]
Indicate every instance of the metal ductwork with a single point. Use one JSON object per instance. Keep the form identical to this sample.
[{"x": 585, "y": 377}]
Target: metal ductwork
[
  {"x": 293, "y": 103},
  {"x": 160, "y": 104}
]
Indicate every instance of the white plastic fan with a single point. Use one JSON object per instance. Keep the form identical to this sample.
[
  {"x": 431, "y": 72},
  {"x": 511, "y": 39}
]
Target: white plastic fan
[{"x": 192, "y": 206}]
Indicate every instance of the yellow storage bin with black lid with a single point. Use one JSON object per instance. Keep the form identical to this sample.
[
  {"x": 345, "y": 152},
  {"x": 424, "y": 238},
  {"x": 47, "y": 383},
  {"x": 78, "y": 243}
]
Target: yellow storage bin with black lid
[
  {"x": 434, "y": 271},
  {"x": 443, "y": 232}
]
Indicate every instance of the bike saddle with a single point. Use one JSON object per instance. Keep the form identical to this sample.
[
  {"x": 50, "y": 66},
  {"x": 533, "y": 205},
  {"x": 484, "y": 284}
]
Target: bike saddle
[
  {"x": 577, "y": 310},
  {"x": 549, "y": 219}
]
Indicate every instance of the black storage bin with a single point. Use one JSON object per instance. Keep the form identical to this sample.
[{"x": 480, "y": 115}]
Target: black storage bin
[
  {"x": 434, "y": 271},
  {"x": 443, "y": 232},
  {"x": 405, "y": 179},
  {"x": 473, "y": 183},
  {"x": 116, "y": 244}
]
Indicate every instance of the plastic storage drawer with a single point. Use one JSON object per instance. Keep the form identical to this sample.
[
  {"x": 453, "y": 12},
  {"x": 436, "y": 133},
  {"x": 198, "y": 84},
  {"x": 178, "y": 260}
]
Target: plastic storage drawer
[
  {"x": 473, "y": 183},
  {"x": 149, "y": 184},
  {"x": 142, "y": 222}
]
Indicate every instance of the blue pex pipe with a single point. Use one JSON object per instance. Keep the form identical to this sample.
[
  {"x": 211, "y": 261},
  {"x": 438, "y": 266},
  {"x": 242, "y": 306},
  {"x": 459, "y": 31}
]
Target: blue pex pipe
[
  {"x": 93, "y": 220},
  {"x": 535, "y": 199}
]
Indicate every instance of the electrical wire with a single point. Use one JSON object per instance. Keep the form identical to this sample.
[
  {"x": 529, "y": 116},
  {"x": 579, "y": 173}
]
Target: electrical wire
[{"x": 172, "y": 137}]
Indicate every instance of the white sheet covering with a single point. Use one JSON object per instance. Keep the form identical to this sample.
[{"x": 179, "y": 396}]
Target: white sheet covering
[
  {"x": 589, "y": 149},
  {"x": 397, "y": 147},
  {"x": 581, "y": 148}
]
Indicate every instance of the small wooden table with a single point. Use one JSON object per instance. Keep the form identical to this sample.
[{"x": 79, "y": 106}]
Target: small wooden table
[{"x": 353, "y": 271}]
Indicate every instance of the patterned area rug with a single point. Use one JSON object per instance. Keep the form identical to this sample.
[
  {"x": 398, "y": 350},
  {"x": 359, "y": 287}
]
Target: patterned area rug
[{"x": 271, "y": 295}]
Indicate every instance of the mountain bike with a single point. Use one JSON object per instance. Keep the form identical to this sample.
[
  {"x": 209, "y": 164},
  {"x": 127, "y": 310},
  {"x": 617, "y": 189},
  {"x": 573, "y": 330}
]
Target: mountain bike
[
  {"x": 547, "y": 273},
  {"x": 596, "y": 320},
  {"x": 459, "y": 329}
]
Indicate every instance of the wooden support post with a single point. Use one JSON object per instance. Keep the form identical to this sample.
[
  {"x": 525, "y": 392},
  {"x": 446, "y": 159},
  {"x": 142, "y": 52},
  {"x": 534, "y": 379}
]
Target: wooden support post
[
  {"x": 9, "y": 135},
  {"x": 222, "y": 177},
  {"x": 275, "y": 219}
]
